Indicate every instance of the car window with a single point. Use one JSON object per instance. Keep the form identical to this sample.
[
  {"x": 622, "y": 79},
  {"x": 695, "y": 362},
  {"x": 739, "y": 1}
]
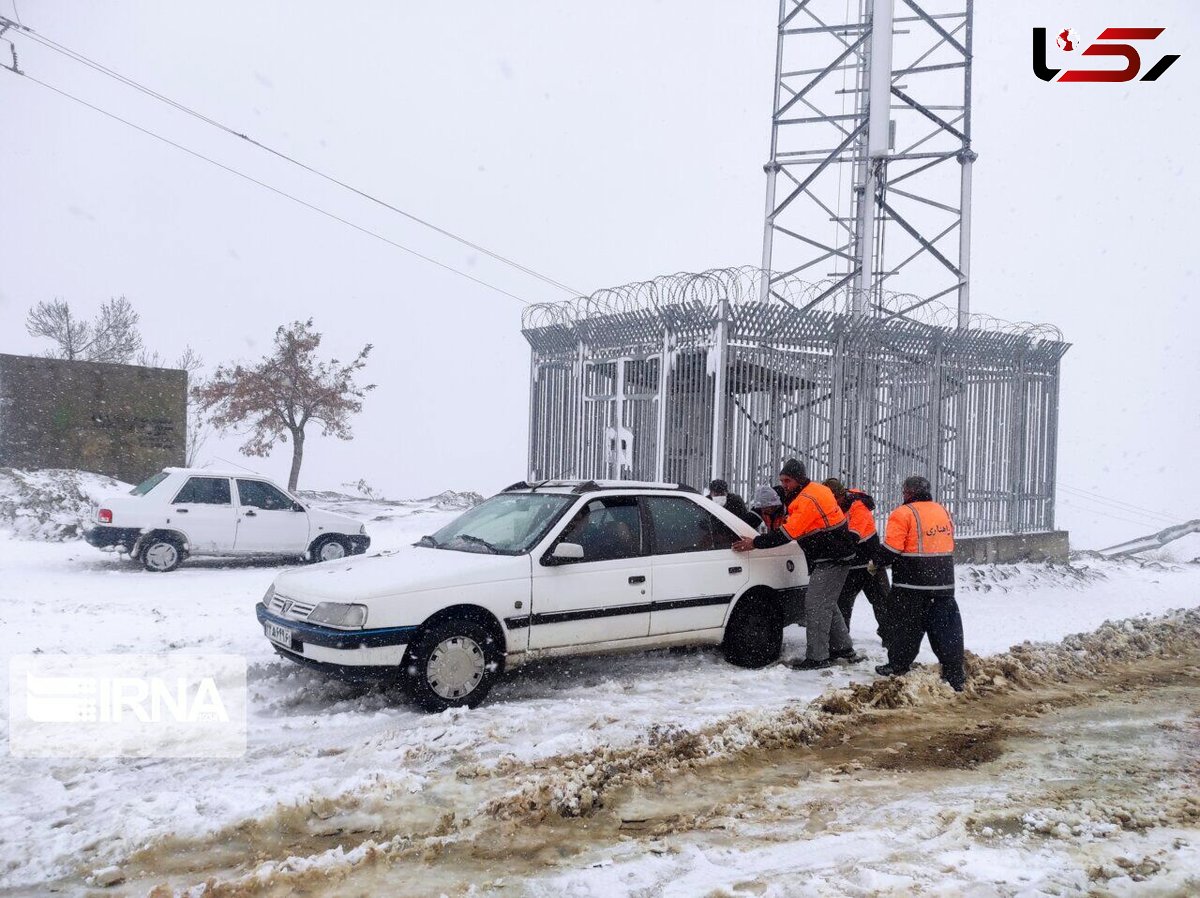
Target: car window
[
  {"x": 204, "y": 491},
  {"x": 681, "y": 525},
  {"x": 607, "y": 528},
  {"x": 257, "y": 494},
  {"x": 508, "y": 524},
  {"x": 148, "y": 484}
]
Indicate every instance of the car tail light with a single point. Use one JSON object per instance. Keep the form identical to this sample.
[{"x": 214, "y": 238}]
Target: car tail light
[{"x": 104, "y": 516}]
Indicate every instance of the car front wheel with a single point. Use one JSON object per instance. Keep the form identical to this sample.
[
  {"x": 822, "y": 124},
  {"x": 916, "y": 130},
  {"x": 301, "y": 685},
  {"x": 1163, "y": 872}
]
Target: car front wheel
[
  {"x": 453, "y": 664},
  {"x": 754, "y": 636},
  {"x": 330, "y": 548}
]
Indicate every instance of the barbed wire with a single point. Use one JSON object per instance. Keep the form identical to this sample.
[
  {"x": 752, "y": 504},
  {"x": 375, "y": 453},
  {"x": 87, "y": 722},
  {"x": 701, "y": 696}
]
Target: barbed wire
[{"x": 698, "y": 294}]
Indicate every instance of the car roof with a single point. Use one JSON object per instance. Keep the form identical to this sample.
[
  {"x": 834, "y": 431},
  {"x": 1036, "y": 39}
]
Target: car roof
[
  {"x": 585, "y": 487},
  {"x": 215, "y": 472}
]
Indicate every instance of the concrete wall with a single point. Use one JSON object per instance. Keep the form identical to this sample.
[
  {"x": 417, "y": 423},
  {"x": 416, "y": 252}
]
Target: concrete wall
[
  {"x": 1049, "y": 546},
  {"x": 126, "y": 421}
]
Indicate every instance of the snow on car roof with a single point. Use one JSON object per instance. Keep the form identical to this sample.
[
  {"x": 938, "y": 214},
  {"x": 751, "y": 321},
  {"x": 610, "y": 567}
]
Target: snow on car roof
[
  {"x": 586, "y": 486},
  {"x": 216, "y": 472}
]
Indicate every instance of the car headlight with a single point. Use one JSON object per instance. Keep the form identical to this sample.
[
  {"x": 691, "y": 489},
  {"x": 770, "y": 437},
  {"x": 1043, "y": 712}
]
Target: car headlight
[
  {"x": 268, "y": 595},
  {"x": 339, "y": 614}
]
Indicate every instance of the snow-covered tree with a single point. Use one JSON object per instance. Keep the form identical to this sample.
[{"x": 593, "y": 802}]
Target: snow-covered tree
[{"x": 279, "y": 396}]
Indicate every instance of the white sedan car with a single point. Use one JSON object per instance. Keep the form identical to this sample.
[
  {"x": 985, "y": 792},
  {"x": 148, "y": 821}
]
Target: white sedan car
[
  {"x": 196, "y": 511},
  {"x": 557, "y": 568}
]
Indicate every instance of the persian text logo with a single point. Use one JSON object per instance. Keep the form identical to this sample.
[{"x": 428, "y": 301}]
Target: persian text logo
[
  {"x": 174, "y": 705},
  {"x": 1111, "y": 42}
]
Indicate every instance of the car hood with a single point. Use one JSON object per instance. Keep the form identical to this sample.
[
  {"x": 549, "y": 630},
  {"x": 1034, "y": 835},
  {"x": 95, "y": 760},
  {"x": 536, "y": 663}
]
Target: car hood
[
  {"x": 333, "y": 521},
  {"x": 406, "y": 570}
]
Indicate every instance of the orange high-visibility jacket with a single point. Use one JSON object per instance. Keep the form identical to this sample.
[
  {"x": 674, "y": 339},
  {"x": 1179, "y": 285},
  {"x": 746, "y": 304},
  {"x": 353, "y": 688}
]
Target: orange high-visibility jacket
[
  {"x": 862, "y": 526},
  {"x": 816, "y": 522},
  {"x": 919, "y": 543}
]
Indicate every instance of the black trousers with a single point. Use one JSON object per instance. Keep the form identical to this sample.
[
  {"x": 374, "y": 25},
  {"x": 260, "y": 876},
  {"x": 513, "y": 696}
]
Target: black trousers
[
  {"x": 913, "y": 614},
  {"x": 875, "y": 587}
]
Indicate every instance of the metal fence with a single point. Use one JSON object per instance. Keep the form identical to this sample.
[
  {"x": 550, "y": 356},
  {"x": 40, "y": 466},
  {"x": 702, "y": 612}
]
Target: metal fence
[{"x": 692, "y": 376}]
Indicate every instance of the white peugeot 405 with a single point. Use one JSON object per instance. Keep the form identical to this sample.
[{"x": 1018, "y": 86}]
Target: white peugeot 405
[
  {"x": 557, "y": 568},
  {"x": 196, "y": 511}
]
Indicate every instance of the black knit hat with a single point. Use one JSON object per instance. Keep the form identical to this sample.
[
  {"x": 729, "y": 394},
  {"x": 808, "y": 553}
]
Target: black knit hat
[{"x": 795, "y": 469}]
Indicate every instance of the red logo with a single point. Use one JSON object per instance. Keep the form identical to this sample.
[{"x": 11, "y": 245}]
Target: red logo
[{"x": 1111, "y": 42}]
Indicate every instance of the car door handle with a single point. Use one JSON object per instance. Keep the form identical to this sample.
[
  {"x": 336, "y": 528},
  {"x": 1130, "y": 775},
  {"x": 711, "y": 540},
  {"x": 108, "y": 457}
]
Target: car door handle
[
  {"x": 181, "y": 510},
  {"x": 735, "y": 570},
  {"x": 251, "y": 513},
  {"x": 637, "y": 578}
]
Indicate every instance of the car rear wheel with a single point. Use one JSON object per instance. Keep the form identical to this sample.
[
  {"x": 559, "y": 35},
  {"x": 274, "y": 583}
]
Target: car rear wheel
[
  {"x": 330, "y": 548},
  {"x": 754, "y": 636},
  {"x": 161, "y": 555},
  {"x": 453, "y": 664}
]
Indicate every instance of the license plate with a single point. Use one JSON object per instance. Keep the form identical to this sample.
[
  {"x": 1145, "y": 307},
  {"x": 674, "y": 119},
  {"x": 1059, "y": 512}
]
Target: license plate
[{"x": 278, "y": 634}]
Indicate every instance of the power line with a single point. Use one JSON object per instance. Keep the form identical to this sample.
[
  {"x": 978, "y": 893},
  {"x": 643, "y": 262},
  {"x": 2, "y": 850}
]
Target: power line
[
  {"x": 1149, "y": 520},
  {"x": 275, "y": 190},
  {"x": 1117, "y": 502},
  {"x": 148, "y": 91},
  {"x": 1108, "y": 515}
]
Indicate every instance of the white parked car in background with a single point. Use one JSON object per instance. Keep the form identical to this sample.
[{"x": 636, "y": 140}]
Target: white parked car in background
[
  {"x": 195, "y": 511},
  {"x": 544, "y": 569}
]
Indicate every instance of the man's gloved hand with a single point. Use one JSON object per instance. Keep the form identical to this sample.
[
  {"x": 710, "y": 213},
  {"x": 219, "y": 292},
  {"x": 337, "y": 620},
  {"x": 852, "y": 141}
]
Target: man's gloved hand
[{"x": 872, "y": 567}]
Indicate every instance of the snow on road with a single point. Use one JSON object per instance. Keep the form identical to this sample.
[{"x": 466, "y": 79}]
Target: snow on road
[{"x": 312, "y": 740}]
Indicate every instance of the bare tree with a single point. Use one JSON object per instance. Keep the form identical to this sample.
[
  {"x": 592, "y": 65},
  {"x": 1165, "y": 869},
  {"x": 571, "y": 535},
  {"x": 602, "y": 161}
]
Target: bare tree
[
  {"x": 112, "y": 336},
  {"x": 284, "y": 392},
  {"x": 197, "y": 422}
]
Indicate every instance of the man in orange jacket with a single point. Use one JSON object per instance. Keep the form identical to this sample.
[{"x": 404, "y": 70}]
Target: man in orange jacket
[
  {"x": 819, "y": 526},
  {"x": 919, "y": 544},
  {"x": 858, "y": 507}
]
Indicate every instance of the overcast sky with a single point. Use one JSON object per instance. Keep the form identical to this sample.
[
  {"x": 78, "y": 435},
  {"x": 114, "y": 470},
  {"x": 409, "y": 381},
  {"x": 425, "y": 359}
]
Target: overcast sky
[{"x": 596, "y": 144}]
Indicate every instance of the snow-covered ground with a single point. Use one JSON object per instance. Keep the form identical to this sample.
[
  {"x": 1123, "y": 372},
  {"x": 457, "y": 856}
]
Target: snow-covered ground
[{"x": 321, "y": 750}]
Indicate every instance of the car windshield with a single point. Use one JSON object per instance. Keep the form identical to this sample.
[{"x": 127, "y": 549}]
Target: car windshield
[
  {"x": 148, "y": 484},
  {"x": 508, "y": 524}
]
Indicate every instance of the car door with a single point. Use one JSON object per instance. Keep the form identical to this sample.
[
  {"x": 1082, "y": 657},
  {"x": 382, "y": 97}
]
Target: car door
[
  {"x": 269, "y": 520},
  {"x": 696, "y": 573},
  {"x": 603, "y": 596},
  {"x": 203, "y": 511}
]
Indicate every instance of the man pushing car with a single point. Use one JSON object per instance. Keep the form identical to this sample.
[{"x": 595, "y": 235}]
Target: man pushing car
[{"x": 815, "y": 521}]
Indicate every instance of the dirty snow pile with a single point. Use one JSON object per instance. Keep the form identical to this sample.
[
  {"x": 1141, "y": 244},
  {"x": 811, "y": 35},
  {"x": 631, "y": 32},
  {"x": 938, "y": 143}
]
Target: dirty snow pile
[{"x": 52, "y": 504}]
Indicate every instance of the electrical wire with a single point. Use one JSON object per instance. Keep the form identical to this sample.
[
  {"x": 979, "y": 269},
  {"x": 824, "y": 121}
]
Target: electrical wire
[
  {"x": 1108, "y": 508},
  {"x": 1116, "y": 513},
  {"x": 150, "y": 92},
  {"x": 1098, "y": 497},
  {"x": 1108, "y": 515},
  {"x": 275, "y": 190}
]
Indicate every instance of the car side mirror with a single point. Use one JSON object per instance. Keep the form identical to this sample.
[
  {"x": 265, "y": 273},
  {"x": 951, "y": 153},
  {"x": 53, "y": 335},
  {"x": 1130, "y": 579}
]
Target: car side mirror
[
  {"x": 296, "y": 506},
  {"x": 564, "y": 552}
]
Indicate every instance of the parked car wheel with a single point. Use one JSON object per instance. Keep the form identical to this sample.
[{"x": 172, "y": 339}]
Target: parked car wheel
[
  {"x": 161, "y": 555},
  {"x": 453, "y": 664},
  {"x": 754, "y": 635},
  {"x": 330, "y": 548}
]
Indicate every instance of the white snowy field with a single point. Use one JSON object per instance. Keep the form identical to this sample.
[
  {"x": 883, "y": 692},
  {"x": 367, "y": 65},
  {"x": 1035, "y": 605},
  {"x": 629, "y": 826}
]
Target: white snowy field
[{"x": 314, "y": 741}]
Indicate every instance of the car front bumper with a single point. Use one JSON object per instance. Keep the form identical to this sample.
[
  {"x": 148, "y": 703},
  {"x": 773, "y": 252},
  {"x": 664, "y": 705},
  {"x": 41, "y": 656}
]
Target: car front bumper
[
  {"x": 382, "y": 647},
  {"x": 102, "y": 536}
]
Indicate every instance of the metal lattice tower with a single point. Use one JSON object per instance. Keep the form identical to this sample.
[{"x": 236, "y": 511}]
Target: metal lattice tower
[{"x": 869, "y": 179}]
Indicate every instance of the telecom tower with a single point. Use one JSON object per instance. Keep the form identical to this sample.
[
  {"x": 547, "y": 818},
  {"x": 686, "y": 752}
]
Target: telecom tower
[{"x": 869, "y": 180}]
